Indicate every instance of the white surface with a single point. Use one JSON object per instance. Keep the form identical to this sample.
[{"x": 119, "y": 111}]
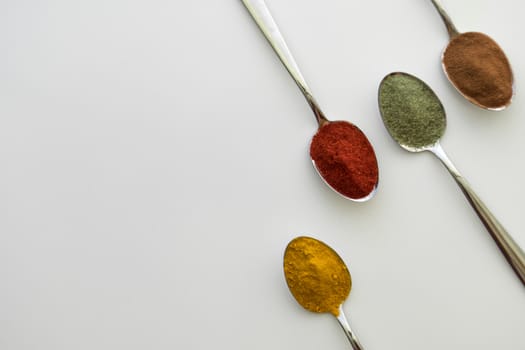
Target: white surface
[{"x": 154, "y": 165}]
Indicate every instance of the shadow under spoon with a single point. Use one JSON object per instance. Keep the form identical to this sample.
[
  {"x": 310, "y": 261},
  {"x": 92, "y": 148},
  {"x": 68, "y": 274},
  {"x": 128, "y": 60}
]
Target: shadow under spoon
[
  {"x": 356, "y": 177},
  {"x": 476, "y": 66},
  {"x": 416, "y": 120}
]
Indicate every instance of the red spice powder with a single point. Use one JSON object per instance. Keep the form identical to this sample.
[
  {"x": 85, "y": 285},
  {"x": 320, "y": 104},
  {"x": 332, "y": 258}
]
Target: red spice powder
[{"x": 345, "y": 159}]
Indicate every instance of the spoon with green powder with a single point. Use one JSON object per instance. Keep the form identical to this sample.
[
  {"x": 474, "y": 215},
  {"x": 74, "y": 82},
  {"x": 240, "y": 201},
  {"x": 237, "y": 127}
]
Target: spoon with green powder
[
  {"x": 319, "y": 280},
  {"x": 415, "y": 118},
  {"x": 477, "y": 67},
  {"x": 340, "y": 151}
]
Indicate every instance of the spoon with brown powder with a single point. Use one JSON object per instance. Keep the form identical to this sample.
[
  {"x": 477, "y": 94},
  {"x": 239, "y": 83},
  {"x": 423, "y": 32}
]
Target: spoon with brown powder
[
  {"x": 319, "y": 280},
  {"x": 477, "y": 67},
  {"x": 340, "y": 151}
]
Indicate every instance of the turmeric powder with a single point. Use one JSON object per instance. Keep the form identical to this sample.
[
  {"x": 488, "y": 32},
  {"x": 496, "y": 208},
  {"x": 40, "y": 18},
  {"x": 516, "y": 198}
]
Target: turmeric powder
[{"x": 316, "y": 276}]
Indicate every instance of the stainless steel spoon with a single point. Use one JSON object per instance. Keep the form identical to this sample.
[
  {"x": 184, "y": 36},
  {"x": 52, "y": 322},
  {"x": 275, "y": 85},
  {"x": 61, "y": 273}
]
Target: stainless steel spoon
[
  {"x": 415, "y": 118},
  {"x": 494, "y": 87},
  {"x": 260, "y": 13},
  {"x": 319, "y": 280}
]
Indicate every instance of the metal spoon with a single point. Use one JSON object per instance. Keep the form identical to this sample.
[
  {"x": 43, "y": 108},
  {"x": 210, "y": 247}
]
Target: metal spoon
[
  {"x": 260, "y": 13},
  {"x": 499, "y": 80},
  {"x": 307, "y": 259},
  {"x": 398, "y": 92}
]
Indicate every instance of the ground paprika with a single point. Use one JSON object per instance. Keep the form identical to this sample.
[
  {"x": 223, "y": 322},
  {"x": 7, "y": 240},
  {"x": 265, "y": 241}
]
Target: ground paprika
[{"x": 345, "y": 159}]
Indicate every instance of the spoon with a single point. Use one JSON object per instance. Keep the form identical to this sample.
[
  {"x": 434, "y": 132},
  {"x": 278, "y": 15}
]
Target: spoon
[
  {"x": 353, "y": 177},
  {"x": 477, "y": 67},
  {"x": 319, "y": 280},
  {"x": 415, "y": 118}
]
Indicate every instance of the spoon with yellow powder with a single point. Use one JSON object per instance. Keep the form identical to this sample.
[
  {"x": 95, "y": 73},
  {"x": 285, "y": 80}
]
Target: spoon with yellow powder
[
  {"x": 319, "y": 280},
  {"x": 477, "y": 67}
]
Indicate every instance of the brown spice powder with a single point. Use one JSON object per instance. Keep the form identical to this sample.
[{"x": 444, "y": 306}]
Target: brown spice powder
[{"x": 479, "y": 69}]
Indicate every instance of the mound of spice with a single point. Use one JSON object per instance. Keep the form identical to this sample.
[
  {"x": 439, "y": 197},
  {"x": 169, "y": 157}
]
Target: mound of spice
[
  {"x": 316, "y": 276},
  {"x": 411, "y": 112},
  {"x": 345, "y": 159},
  {"x": 479, "y": 69}
]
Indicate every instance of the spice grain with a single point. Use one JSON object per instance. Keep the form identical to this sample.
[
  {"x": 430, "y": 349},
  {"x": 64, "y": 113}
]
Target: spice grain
[
  {"x": 479, "y": 69},
  {"x": 411, "y": 112},
  {"x": 345, "y": 159},
  {"x": 317, "y": 277}
]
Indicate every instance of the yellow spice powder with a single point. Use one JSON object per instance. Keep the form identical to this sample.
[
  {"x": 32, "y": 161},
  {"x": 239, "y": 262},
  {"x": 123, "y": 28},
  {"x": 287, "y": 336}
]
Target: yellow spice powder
[{"x": 317, "y": 277}]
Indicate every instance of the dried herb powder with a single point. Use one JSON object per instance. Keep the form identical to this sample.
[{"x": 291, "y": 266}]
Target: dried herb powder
[
  {"x": 479, "y": 69},
  {"x": 411, "y": 112},
  {"x": 316, "y": 276}
]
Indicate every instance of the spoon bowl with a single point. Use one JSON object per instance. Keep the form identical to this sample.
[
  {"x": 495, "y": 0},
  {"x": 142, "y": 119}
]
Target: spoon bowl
[
  {"x": 344, "y": 158},
  {"x": 337, "y": 144},
  {"x": 416, "y": 120},
  {"x": 319, "y": 280},
  {"x": 477, "y": 67}
]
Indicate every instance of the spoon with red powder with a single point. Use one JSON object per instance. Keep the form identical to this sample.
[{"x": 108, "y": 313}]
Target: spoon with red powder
[
  {"x": 340, "y": 151},
  {"x": 477, "y": 67}
]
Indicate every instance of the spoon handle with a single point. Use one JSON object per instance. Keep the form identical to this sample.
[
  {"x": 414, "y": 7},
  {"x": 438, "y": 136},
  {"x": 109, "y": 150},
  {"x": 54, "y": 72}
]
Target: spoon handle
[
  {"x": 451, "y": 28},
  {"x": 510, "y": 249},
  {"x": 264, "y": 20},
  {"x": 356, "y": 345}
]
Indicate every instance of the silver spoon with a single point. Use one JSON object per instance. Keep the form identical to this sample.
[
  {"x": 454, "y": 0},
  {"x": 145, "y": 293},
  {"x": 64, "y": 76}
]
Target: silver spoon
[
  {"x": 260, "y": 13},
  {"x": 319, "y": 280},
  {"x": 494, "y": 87},
  {"x": 416, "y": 120}
]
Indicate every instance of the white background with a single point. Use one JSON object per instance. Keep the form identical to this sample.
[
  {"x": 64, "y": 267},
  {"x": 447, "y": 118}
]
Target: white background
[{"x": 154, "y": 165}]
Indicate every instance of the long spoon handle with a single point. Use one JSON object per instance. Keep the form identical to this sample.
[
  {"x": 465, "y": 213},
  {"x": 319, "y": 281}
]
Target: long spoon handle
[
  {"x": 264, "y": 20},
  {"x": 510, "y": 249},
  {"x": 451, "y": 28},
  {"x": 356, "y": 345}
]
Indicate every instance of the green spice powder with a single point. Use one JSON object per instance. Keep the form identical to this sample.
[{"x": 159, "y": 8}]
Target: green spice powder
[{"x": 411, "y": 112}]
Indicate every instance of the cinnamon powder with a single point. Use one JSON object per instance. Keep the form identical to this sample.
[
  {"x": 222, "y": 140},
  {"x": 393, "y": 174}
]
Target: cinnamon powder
[{"x": 479, "y": 69}]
